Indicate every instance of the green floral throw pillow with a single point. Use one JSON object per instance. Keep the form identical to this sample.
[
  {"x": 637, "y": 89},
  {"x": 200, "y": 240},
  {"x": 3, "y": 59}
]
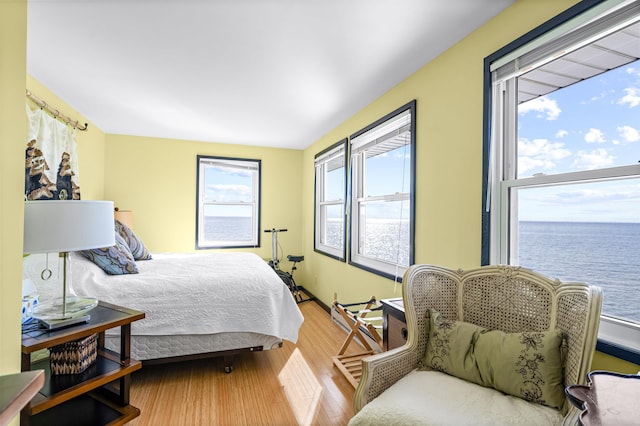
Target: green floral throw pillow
[
  {"x": 450, "y": 347},
  {"x": 527, "y": 365}
]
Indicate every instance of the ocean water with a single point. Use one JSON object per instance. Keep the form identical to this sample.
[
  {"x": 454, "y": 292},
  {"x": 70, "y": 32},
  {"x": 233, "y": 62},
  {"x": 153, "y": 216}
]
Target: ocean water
[
  {"x": 602, "y": 254},
  {"x": 382, "y": 239},
  {"x": 227, "y": 228}
]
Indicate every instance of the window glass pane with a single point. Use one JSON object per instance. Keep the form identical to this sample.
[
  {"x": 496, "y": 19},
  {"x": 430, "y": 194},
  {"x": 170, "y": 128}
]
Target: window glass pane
[
  {"x": 586, "y": 233},
  {"x": 383, "y": 167},
  {"x": 388, "y": 173},
  {"x": 223, "y": 184},
  {"x": 592, "y": 124},
  {"x": 333, "y": 235},
  {"x": 569, "y": 152},
  {"x": 330, "y": 189},
  {"x": 228, "y": 223},
  {"x": 228, "y": 210},
  {"x": 334, "y": 188},
  {"x": 384, "y": 235}
]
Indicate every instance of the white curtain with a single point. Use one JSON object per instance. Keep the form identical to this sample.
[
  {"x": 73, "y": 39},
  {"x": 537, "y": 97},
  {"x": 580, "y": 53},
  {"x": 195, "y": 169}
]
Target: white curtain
[{"x": 51, "y": 165}]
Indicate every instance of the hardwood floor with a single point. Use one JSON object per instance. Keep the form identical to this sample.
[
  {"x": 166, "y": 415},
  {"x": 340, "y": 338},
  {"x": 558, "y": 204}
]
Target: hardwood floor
[{"x": 294, "y": 385}]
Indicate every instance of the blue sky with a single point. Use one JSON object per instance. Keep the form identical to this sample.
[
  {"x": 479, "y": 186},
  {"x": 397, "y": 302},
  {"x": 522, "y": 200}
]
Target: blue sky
[
  {"x": 228, "y": 184},
  {"x": 590, "y": 125}
]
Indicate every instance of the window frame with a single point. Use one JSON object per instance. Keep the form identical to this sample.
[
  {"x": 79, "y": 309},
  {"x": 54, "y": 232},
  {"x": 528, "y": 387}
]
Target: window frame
[
  {"x": 321, "y": 162},
  {"x": 253, "y": 165},
  {"x": 389, "y": 270},
  {"x": 616, "y": 337}
]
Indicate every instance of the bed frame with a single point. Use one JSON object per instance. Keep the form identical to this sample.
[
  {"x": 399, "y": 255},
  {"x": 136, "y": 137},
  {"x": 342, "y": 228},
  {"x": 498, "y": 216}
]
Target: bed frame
[{"x": 226, "y": 354}]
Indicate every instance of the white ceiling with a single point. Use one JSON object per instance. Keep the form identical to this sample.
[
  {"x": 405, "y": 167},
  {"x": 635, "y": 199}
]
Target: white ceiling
[{"x": 278, "y": 73}]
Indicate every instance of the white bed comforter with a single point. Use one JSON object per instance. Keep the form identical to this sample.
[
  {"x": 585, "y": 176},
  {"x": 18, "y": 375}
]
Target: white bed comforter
[{"x": 197, "y": 293}]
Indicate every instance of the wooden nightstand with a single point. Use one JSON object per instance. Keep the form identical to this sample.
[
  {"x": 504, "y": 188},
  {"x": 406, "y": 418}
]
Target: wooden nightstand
[
  {"x": 100, "y": 394},
  {"x": 394, "y": 326}
]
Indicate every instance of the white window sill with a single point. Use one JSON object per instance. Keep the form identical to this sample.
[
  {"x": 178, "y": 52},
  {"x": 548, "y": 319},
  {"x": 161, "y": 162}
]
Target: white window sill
[{"x": 620, "y": 339}]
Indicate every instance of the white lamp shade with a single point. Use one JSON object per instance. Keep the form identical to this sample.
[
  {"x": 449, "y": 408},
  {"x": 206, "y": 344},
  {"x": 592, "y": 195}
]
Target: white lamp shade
[{"x": 67, "y": 225}]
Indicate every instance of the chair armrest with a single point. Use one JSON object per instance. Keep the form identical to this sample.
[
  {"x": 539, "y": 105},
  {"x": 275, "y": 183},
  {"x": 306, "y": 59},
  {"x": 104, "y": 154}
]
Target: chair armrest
[{"x": 382, "y": 370}]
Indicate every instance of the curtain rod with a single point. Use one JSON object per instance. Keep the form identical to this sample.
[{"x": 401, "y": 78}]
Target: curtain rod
[{"x": 56, "y": 113}]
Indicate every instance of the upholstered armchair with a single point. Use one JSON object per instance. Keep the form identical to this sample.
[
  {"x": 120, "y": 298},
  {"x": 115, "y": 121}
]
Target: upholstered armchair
[{"x": 493, "y": 345}]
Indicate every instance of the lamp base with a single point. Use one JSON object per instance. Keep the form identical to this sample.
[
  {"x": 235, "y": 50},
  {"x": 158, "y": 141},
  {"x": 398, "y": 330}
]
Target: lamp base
[
  {"x": 75, "y": 307},
  {"x": 57, "y": 324}
]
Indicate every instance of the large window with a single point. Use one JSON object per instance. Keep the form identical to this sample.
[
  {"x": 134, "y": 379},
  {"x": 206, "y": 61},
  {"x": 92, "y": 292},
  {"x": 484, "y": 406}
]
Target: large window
[
  {"x": 563, "y": 180},
  {"x": 382, "y": 194},
  {"x": 228, "y": 211},
  {"x": 331, "y": 174}
]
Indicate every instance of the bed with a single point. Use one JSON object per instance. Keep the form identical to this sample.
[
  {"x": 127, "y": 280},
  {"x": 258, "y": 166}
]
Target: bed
[{"x": 196, "y": 304}]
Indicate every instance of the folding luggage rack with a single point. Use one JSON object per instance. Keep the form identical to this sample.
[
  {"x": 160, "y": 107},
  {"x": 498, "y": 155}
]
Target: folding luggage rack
[{"x": 351, "y": 365}]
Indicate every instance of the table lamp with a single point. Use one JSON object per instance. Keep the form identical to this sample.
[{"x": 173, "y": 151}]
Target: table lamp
[{"x": 63, "y": 226}]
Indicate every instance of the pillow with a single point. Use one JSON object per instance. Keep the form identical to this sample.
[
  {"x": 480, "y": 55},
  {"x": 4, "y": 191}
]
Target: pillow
[
  {"x": 114, "y": 260},
  {"x": 135, "y": 244},
  {"x": 450, "y": 347},
  {"x": 527, "y": 365}
]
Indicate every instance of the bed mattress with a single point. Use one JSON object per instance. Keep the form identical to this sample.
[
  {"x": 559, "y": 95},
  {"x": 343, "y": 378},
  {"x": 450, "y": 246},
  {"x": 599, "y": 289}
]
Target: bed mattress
[{"x": 196, "y": 303}]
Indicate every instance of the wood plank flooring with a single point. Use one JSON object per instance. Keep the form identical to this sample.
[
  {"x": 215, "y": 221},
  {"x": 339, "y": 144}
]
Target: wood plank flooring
[{"x": 294, "y": 385}]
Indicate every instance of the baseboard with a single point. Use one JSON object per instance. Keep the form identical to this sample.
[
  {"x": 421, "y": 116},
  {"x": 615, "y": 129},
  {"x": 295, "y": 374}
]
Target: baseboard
[{"x": 315, "y": 299}]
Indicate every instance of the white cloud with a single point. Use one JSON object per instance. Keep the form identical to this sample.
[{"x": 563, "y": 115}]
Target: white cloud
[
  {"x": 244, "y": 189},
  {"x": 542, "y": 147},
  {"x": 601, "y": 193},
  {"x": 526, "y": 164},
  {"x": 539, "y": 154},
  {"x": 632, "y": 97},
  {"x": 542, "y": 105},
  {"x": 629, "y": 134},
  {"x": 595, "y": 159},
  {"x": 222, "y": 192},
  {"x": 594, "y": 136},
  {"x": 612, "y": 201},
  {"x": 599, "y": 96},
  {"x": 561, "y": 133}
]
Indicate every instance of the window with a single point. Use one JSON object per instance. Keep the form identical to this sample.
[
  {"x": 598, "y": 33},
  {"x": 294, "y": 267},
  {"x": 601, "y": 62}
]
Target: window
[
  {"x": 228, "y": 211},
  {"x": 331, "y": 174},
  {"x": 562, "y": 178},
  {"x": 382, "y": 194}
]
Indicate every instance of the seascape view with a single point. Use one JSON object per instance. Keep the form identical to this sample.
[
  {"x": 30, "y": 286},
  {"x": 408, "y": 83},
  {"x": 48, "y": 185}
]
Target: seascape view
[
  {"x": 225, "y": 228},
  {"x": 602, "y": 254}
]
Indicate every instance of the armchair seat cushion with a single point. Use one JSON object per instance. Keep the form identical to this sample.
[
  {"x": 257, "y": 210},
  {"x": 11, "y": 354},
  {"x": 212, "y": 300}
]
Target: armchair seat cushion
[{"x": 435, "y": 398}]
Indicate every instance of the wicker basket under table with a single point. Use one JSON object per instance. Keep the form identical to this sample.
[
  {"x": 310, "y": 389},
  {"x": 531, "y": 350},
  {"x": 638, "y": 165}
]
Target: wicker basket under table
[{"x": 74, "y": 357}]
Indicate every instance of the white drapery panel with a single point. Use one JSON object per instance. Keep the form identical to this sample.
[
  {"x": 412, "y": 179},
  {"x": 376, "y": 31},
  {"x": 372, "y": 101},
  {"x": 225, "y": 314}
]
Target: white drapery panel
[{"x": 51, "y": 165}]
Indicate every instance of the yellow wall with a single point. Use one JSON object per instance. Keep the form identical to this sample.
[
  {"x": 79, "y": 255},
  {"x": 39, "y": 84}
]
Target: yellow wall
[
  {"x": 603, "y": 361},
  {"x": 449, "y": 123},
  {"x": 13, "y": 128},
  {"x": 156, "y": 178}
]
